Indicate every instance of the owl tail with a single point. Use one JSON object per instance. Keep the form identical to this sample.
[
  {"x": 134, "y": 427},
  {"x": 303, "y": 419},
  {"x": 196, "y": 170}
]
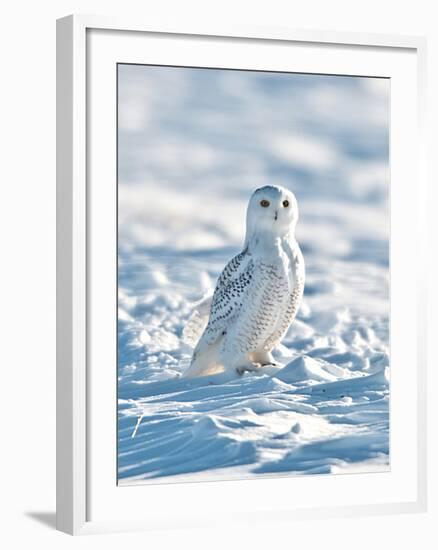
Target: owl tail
[{"x": 195, "y": 326}]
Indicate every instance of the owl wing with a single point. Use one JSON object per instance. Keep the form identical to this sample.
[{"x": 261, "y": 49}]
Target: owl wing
[{"x": 228, "y": 296}]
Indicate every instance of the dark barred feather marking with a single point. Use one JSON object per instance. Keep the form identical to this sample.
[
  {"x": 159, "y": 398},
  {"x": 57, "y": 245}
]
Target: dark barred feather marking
[
  {"x": 228, "y": 295},
  {"x": 288, "y": 316}
]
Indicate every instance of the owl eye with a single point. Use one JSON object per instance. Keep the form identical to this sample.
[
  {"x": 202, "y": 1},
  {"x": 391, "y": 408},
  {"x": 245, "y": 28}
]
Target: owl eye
[
  {"x": 285, "y": 204},
  {"x": 264, "y": 203}
]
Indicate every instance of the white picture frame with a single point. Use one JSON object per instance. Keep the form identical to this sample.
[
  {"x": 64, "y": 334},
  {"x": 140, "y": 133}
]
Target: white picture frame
[{"x": 75, "y": 217}]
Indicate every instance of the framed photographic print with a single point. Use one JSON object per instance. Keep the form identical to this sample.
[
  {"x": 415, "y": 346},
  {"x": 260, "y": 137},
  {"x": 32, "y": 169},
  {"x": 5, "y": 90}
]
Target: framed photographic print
[{"x": 240, "y": 289}]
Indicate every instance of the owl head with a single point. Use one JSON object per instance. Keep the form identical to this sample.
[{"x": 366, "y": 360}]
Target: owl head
[{"x": 272, "y": 211}]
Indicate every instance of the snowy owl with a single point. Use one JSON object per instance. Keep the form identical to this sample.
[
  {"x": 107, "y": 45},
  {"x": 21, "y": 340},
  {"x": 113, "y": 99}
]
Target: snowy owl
[{"x": 258, "y": 293}]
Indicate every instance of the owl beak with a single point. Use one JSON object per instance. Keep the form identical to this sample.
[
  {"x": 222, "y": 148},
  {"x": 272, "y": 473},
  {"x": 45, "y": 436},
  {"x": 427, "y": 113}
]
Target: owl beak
[{"x": 276, "y": 215}]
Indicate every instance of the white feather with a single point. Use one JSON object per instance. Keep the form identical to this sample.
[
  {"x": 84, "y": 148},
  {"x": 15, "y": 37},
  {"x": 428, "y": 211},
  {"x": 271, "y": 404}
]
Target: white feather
[{"x": 197, "y": 321}]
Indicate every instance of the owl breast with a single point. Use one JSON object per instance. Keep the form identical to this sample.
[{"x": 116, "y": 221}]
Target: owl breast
[{"x": 271, "y": 305}]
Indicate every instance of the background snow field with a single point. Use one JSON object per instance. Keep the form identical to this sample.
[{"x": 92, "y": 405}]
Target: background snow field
[{"x": 193, "y": 145}]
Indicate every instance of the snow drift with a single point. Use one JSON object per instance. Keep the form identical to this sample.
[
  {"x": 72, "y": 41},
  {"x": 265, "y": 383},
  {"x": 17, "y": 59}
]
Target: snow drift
[{"x": 193, "y": 144}]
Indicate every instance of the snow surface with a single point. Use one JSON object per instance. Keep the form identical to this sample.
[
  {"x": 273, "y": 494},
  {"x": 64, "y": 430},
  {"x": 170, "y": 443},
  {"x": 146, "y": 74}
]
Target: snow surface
[{"x": 193, "y": 145}]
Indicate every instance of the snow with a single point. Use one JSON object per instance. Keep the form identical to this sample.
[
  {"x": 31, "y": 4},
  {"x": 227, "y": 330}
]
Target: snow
[{"x": 193, "y": 145}]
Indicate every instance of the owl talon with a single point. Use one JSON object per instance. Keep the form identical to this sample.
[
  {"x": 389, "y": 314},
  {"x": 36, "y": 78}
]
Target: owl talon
[{"x": 248, "y": 368}]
